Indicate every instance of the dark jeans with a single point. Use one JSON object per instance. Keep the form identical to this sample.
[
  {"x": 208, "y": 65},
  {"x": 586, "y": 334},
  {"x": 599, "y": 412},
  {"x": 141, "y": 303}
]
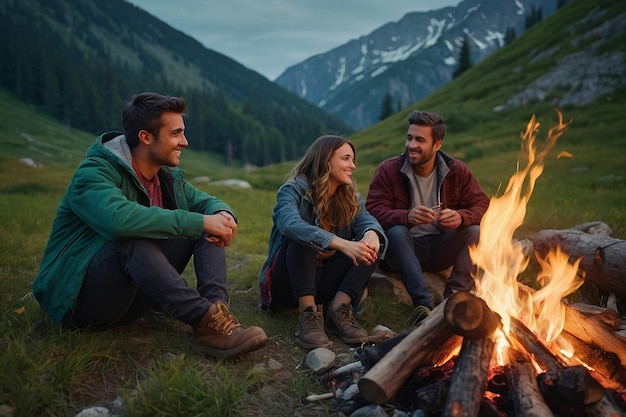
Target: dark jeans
[
  {"x": 411, "y": 256},
  {"x": 127, "y": 278},
  {"x": 296, "y": 274}
]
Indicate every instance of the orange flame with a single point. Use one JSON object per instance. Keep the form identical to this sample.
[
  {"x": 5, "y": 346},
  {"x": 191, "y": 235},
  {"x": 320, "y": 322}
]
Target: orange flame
[{"x": 500, "y": 260}]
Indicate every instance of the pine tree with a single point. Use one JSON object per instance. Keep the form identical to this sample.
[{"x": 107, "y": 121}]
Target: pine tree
[
  {"x": 386, "y": 107},
  {"x": 465, "y": 61},
  {"x": 535, "y": 16},
  {"x": 509, "y": 35}
]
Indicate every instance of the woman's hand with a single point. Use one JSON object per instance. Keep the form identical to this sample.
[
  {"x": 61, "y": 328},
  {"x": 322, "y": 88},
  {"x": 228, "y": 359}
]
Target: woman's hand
[
  {"x": 361, "y": 251},
  {"x": 372, "y": 239}
]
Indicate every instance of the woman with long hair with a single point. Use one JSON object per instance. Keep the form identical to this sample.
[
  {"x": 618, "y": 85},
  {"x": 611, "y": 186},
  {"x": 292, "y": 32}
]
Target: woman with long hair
[{"x": 323, "y": 246}]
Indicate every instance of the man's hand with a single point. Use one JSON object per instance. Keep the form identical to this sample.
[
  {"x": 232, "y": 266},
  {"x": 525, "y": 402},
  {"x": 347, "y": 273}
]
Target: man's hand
[
  {"x": 422, "y": 215},
  {"x": 450, "y": 219},
  {"x": 447, "y": 218},
  {"x": 221, "y": 228}
]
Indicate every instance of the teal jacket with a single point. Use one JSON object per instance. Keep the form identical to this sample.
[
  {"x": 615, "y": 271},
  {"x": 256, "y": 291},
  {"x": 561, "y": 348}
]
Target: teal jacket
[{"x": 105, "y": 201}]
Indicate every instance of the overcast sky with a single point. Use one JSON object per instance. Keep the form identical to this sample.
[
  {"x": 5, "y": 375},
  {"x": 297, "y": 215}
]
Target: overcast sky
[{"x": 268, "y": 36}]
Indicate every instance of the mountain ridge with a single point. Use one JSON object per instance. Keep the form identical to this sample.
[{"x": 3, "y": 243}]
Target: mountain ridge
[
  {"x": 408, "y": 59},
  {"x": 81, "y": 61}
]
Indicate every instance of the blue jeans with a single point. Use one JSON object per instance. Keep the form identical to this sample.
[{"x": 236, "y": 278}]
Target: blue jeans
[
  {"x": 297, "y": 274},
  {"x": 410, "y": 257},
  {"x": 127, "y": 278}
]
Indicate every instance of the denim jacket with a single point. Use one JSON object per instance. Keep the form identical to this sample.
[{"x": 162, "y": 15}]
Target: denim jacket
[{"x": 294, "y": 217}]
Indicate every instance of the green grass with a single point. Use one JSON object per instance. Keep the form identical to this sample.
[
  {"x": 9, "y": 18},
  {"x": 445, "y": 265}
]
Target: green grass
[{"x": 151, "y": 364}]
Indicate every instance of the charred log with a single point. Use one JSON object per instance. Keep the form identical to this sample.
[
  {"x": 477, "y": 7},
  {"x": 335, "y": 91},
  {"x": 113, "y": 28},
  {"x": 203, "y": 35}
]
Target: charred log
[
  {"x": 524, "y": 395},
  {"x": 470, "y": 377},
  {"x": 526, "y": 338}
]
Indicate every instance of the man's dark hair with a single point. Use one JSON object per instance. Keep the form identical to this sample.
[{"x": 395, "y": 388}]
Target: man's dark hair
[
  {"x": 143, "y": 112},
  {"x": 426, "y": 118}
]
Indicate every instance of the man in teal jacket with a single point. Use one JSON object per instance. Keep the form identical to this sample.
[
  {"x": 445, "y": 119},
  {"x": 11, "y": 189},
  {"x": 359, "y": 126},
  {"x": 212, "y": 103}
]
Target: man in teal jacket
[{"x": 128, "y": 225}]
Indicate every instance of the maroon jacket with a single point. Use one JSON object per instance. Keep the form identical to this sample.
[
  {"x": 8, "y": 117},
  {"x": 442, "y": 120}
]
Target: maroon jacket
[{"x": 389, "y": 198}]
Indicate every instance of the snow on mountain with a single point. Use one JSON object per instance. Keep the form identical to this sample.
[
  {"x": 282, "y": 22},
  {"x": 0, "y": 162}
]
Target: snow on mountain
[{"x": 408, "y": 59}]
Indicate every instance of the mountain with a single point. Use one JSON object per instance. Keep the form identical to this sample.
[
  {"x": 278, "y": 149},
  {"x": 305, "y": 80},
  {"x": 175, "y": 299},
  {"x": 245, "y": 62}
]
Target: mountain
[
  {"x": 80, "y": 61},
  {"x": 407, "y": 59}
]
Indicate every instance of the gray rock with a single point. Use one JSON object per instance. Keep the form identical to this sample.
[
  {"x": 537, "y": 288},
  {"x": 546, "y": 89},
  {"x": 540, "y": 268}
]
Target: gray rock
[
  {"x": 320, "y": 360},
  {"x": 371, "y": 410},
  {"x": 233, "y": 183},
  {"x": 95, "y": 412}
]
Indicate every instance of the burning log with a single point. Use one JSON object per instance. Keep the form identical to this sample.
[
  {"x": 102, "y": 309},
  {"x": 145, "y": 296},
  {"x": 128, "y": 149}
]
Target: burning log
[
  {"x": 603, "y": 257},
  {"x": 574, "y": 381},
  {"x": 606, "y": 364},
  {"x": 590, "y": 332},
  {"x": 525, "y": 337},
  {"x": 456, "y": 313},
  {"x": 524, "y": 394},
  {"x": 470, "y": 377}
]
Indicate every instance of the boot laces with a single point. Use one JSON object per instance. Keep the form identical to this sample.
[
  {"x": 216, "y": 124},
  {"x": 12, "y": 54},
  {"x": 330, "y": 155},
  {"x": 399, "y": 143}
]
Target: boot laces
[
  {"x": 223, "y": 321},
  {"x": 345, "y": 317},
  {"x": 312, "y": 322}
]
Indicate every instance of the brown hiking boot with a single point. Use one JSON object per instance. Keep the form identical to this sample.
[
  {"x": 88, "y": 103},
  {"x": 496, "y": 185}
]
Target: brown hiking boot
[
  {"x": 220, "y": 334},
  {"x": 311, "y": 330},
  {"x": 342, "y": 323}
]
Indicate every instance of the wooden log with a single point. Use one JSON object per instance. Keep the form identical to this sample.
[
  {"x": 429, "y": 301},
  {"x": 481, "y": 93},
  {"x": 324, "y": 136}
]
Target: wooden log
[
  {"x": 448, "y": 350},
  {"x": 608, "y": 317},
  {"x": 590, "y": 332},
  {"x": 470, "y": 316},
  {"x": 604, "y": 363},
  {"x": 594, "y": 228},
  {"x": 386, "y": 377},
  {"x": 603, "y": 257},
  {"x": 470, "y": 377},
  {"x": 576, "y": 385},
  {"x": 557, "y": 366},
  {"x": 524, "y": 394},
  {"x": 432, "y": 398},
  {"x": 605, "y": 408},
  {"x": 526, "y": 338}
]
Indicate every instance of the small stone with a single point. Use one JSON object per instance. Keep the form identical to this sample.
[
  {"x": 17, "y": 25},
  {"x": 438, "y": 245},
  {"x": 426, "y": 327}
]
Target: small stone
[
  {"x": 320, "y": 360},
  {"x": 94, "y": 412},
  {"x": 371, "y": 410}
]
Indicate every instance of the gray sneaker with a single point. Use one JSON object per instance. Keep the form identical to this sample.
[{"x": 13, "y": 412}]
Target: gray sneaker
[
  {"x": 311, "y": 330},
  {"x": 342, "y": 323}
]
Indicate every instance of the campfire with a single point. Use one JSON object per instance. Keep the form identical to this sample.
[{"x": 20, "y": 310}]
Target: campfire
[{"x": 507, "y": 349}]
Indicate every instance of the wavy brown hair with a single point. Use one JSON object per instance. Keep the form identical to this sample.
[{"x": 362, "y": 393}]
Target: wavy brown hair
[{"x": 340, "y": 208}]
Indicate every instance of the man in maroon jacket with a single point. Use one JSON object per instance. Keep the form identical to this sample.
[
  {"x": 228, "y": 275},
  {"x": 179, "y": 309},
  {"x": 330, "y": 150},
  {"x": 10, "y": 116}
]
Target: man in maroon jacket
[{"x": 430, "y": 206}]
